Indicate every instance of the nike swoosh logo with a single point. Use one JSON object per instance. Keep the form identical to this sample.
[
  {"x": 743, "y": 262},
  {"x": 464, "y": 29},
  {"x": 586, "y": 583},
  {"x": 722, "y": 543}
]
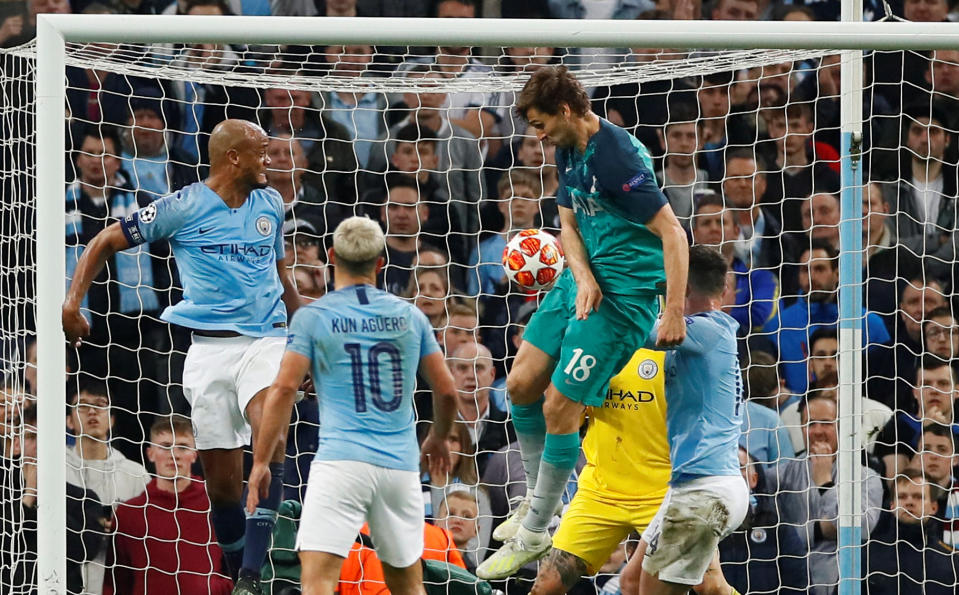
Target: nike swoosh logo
[{"x": 201, "y": 230}]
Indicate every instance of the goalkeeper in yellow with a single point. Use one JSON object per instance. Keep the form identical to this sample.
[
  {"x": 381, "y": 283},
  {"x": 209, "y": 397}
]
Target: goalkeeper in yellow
[{"x": 623, "y": 483}]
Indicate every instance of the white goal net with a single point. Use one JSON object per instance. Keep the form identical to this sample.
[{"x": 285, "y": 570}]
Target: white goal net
[{"x": 746, "y": 146}]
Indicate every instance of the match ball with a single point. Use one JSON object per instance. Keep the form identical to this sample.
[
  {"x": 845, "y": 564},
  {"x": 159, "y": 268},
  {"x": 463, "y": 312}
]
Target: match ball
[{"x": 533, "y": 259}]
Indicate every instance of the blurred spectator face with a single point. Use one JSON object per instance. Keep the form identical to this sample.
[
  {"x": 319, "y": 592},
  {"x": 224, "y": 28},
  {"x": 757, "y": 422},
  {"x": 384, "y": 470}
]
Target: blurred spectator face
[
  {"x": 926, "y": 139},
  {"x": 713, "y": 225},
  {"x": 530, "y": 59},
  {"x": 49, "y": 7},
  {"x": 916, "y": 302},
  {"x": 736, "y": 10},
  {"x": 425, "y": 100},
  {"x": 404, "y": 213},
  {"x": 936, "y": 393},
  {"x": 473, "y": 371},
  {"x": 306, "y": 249},
  {"x": 926, "y": 11},
  {"x": 682, "y": 142},
  {"x": 431, "y": 294},
  {"x": 876, "y": 210},
  {"x": 944, "y": 72},
  {"x": 820, "y": 215},
  {"x": 97, "y": 161},
  {"x": 454, "y": 9},
  {"x": 799, "y": 129},
  {"x": 936, "y": 458},
  {"x": 531, "y": 149},
  {"x": 340, "y": 6},
  {"x": 776, "y": 75},
  {"x": 287, "y": 108},
  {"x": 820, "y": 415},
  {"x": 714, "y": 99},
  {"x": 819, "y": 274},
  {"x": 829, "y": 75},
  {"x": 458, "y": 516},
  {"x": 748, "y": 469},
  {"x": 743, "y": 185},
  {"x": 307, "y": 285},
  {"x": 90, "y": 416},
  {"x": 941, "y": 337},
  {"x": 824, "y": 361},
  {"x": 413, "y": 157},
  {"x": 146, "y": 132},
  {"x": 796, "y": 15},
  {"x": 913, "y": 502},
  {"x": 460, "y": 330},
  {"x": 172, "y": 455},
  {"x": 11, "y": 404},
  {"x": 519, "y": 206},
  {"x": 349, "y": 60},
  {"x": 30, "y": 369},
  {"x": 287, "y": 161}
]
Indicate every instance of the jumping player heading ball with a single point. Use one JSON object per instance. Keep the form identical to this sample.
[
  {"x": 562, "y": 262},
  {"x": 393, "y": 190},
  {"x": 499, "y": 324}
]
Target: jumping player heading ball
[{"x": 624, "y": 248}]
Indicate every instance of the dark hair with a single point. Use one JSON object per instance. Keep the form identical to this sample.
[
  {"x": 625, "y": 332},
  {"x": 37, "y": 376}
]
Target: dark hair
[
  {"x": 933, "y": 362},
  {"x": 781, "y": 12},
  {"x": 682, "y": 111},
  {"x": 937, "y": 429},
  {"x": 709, "y": 200},
  {"x": 714, "y": 79},
  {"x": 549, "y": 88},
  {"x": 799, "y": 110},
  {"x": 401, "y": 180},
  {"x": 93, "y": 386},
  {"x": 414, "y": 133},
  {"x": 103, "y": 132},
  {"x": 746, "y": 153},
  {"x": 831, "y": 253},
  {"x": 707, "y": 271},
  {"x": 817, "y": 396},
  {"x": 823, "y": 333},
  {"x": 762, "y": 375},
  {"x": 939, "y": 312},
  {"x": 223, "y": 5}
]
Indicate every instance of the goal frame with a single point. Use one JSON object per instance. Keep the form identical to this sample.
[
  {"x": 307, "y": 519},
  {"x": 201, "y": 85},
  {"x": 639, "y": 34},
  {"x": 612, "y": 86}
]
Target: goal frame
[{"x": 54, "y": 31}]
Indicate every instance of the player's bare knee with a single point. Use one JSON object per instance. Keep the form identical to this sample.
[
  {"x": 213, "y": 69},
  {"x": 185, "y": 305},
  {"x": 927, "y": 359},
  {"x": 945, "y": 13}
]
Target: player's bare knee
[
  {"x": 521, "y": 388},
  {"x": 404, "y": 581},
  {"x": 563, "y": 416}
]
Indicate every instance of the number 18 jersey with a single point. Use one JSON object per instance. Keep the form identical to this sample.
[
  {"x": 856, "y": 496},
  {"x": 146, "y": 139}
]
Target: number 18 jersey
[{"x": 365, "y": 346}]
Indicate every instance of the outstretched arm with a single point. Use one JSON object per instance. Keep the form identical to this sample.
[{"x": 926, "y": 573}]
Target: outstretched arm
[
  {"x": 672, "y": 328},
  {"x": 277, "y": 409},
  {"x": 103, "y": 246}
]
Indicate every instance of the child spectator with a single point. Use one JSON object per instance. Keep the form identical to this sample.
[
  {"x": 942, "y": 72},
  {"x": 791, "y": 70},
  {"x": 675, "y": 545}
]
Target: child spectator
[
  {"x": 92, "y": 464},
  {"x": 164, "y": 540},
  {"x": 459, "y": 514}
]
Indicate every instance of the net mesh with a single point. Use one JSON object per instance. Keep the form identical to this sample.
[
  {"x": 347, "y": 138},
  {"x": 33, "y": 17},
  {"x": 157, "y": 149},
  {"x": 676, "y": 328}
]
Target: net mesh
[{"x": 746, "y": 150}]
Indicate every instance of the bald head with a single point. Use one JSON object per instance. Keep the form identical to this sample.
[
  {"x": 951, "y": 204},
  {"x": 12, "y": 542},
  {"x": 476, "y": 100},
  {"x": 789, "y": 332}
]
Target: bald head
[
  {"x": 472, "y": 351},
  {"x": 233, "y": 135}
]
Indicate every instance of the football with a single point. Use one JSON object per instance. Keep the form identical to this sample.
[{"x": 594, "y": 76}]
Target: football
[{"x": 533, "y": 259}]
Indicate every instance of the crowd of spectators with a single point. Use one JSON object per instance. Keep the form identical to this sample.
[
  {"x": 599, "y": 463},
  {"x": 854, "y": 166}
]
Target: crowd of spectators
[{"x": 749, "y": 162}]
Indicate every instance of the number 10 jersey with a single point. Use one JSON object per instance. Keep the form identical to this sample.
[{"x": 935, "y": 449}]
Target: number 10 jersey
[{"x": 365, "y": 346}]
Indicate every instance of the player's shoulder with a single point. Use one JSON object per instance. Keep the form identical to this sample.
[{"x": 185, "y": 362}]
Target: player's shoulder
[
  {"x": 712, "y": 321},
  {"x": 268, "y": 194}
]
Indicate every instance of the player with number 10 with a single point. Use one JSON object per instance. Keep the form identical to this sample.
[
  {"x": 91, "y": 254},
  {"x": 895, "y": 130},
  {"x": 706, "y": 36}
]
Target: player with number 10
[
  {"x": 624, "y": 248},
  {"x": 363, "y": 347}
]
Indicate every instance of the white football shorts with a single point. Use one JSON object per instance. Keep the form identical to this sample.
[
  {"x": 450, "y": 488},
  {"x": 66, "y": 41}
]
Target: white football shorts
[
  {"x": 221, "y": 375},
  {"x": 693, "y": 518},
  {"x": 341, "y": 495}
]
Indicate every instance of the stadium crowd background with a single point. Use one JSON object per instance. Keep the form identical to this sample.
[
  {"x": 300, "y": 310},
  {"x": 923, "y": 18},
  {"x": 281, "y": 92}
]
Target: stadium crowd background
[{"x": 749, "y": 162}]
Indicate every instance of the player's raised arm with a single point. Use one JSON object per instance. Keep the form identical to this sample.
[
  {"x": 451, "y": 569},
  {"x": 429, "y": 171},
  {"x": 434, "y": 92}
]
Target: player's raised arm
[
  {"x": 103, "y": 246},
  {"x": 588, "y": 292},
  {"x": 277, "y": 409},
  {"x": 434, "y": 449},
  {"x": 672, "y": 327}
]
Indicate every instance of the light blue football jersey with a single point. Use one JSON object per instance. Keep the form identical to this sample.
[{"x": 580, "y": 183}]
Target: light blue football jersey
[
  {"x": 365, "y": 346},
  {"x": 226, "y": 258},
  {"x": 704, "y": 398}
]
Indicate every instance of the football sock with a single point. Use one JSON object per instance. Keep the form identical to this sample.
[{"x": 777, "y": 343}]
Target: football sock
[
  {"x": 530, "y": 425},
  {"x": 229, "y": 524},
  {"x": 259, "y": 525},
  {"x": 560, "y": 454}
]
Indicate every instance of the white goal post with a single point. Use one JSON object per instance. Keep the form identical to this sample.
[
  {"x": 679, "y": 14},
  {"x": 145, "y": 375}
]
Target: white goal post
[{"x": 55, "y": 31}]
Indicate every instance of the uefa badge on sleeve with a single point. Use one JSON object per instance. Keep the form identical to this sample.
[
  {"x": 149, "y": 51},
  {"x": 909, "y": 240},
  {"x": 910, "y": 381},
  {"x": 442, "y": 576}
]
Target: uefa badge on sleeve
[{"x": 148, "y": 213}]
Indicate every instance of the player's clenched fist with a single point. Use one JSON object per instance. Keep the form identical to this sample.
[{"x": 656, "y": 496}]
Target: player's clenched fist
[
  {"x": 75, "y": 326},
  {"x": 672, "y": 330}
]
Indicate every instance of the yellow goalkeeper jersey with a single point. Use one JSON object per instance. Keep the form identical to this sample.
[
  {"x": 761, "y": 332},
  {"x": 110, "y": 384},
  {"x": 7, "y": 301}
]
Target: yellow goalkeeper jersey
[{"x": 626, "y": 446}]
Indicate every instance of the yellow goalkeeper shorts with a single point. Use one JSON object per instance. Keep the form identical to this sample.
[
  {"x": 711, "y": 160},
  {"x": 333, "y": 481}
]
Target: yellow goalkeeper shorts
[{"x": 591, "y": 528}]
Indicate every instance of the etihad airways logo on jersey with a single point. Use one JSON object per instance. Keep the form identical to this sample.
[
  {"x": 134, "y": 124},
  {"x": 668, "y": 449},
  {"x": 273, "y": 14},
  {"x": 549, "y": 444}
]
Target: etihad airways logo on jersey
[
  {"x": 238, "y": 252},
  {"x": 627, "y": 399}
]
